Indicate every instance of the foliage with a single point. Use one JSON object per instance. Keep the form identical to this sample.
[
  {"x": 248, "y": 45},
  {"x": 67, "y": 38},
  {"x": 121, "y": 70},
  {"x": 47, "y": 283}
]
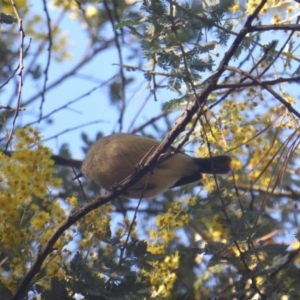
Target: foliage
[{"x": 232, "y": 67}]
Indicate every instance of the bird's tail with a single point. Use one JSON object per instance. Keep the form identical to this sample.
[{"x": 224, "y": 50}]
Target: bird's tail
[{"x": 215, "y": 165}]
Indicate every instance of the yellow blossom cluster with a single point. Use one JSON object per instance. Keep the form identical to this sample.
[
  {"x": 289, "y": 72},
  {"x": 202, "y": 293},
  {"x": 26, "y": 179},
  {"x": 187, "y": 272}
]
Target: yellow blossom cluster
[
  {"x": 279, "y": 7},
  {"x": 255, "y": 146},
  {"x": 90, "y": 9},
  {"x": 27, "y": 216},
  {"x": 7, "y": 7},
  {"x": 175, "y": 217},
  {"x": 94, "y": 229},
  {"x": 163, "y": 276},
  {"x": 239, "y": 139},
  {"x": 235, "y": 7},
  {"x": 218, "y": 231}
]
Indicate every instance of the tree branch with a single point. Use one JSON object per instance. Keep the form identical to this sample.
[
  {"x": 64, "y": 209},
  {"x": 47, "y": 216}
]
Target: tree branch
[{"x": 181, "y": 124}]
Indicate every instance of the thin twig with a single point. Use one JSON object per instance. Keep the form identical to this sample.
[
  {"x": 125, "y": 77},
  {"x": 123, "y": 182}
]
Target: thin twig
[
  {"x": 86, "y": 59},
  {"x": 72, "y": 101},
  {"x": 259, "y": 28},
  {"x": 121, "y": 71},
  {"x": 49, "y": 39},
  {"x": 287, "y": 105},
  {"x": 261, "y": 83},
  {"x": 20, "y": 71},
  {"x": 147, "y": 167},
  {"x": 71, "y": 129},
  {"x": 12, "y": 108}
]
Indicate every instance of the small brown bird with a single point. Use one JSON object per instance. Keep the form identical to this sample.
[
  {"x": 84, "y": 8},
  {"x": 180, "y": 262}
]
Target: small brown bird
[{"x": 115, "y": 157}]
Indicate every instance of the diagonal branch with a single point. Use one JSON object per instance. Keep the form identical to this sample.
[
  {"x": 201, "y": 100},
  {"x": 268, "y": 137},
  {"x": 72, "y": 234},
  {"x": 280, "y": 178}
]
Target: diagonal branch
[
  {"x": 287, "y": 105},
  {"x": 46, "y": 71},
  {"x": 255, "y": 83},
  {"x": 20, "y": 71},
  {"x": 259, "y": 28},
  {"x": 181, "y": 124}
]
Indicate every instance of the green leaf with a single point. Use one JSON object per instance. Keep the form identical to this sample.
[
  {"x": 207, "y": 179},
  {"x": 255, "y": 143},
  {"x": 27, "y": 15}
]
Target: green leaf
[
  {"x": 7, "y": 19},
  {"x": 174, "y": 103}
]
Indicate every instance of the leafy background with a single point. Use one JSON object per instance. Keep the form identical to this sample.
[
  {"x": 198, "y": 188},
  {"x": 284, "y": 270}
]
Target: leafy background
[{"x": 220, "y": 77}]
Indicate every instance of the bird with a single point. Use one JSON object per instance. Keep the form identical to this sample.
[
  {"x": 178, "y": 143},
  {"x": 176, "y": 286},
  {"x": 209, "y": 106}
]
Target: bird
[{"x": 115, "y": 157}]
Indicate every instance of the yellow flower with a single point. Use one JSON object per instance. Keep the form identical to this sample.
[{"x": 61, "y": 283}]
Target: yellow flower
[
  {"x": 72, "y": 201},
  {"x": 276, "y": 19},
  {"x": 40, "y": 221},
  {"x": 91, "y": 12},
  {"x": 236, "y": 6},
  {"x": 57, "y": 212},
  {"x": 236, "y": 165}
]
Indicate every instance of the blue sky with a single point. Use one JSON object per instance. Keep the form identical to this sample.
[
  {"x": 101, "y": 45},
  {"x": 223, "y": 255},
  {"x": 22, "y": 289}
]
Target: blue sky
[{"x": 94, "y": 107}]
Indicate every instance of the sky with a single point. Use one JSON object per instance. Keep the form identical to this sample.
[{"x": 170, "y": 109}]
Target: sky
[{"x": 94, "y": 107}]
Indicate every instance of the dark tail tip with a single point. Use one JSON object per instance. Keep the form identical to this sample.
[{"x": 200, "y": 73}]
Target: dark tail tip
[{"x": 220, "y": 164}]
